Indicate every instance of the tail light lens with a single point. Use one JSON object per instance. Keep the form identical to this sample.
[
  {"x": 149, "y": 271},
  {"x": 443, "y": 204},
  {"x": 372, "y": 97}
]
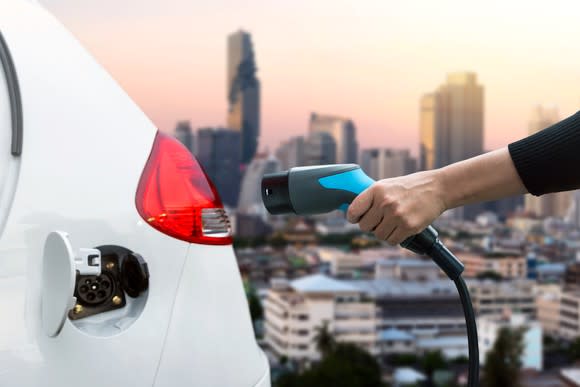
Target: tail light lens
[{"x": 176, "y": 197}]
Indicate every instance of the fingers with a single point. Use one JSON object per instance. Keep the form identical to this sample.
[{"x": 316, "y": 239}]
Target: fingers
[
  {"x": 371, "y": 219},
  {"x": 398, "y": 236},
  {"x": 360, "y": 205},
  {"x": 385, "y": 229}
]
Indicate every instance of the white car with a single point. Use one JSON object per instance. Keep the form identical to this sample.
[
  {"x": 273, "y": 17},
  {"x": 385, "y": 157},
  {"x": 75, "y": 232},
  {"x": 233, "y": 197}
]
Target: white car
[{"x": 116, "y": 263}]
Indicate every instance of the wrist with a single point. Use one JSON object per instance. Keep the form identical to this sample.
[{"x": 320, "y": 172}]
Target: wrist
[{"x": 441, "y": 185}]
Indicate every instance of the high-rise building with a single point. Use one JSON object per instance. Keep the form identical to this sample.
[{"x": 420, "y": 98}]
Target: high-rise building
[
  {"x": 319, "y": 149},
  {"x": 451, "y": 126},
  {"x": 342, "y": 131},
  {"x": 291, "y": 152},
  {"x": 381, "y": 163},
  {"x": 427, "y": 132},
  {"x": 250, "y": 202},
  {"x": 452, "y": 121},
  {"x": 185, "y": 135},
  {"x": 219, "y": 154},
  {"x": 555, "y": 204},
  {"x": 243, "y": 93}
]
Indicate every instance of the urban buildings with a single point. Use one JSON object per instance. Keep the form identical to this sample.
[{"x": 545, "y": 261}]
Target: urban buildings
[
  {"x": 451, "y": 122},
  {"x": 291, "y": 152},
  {"x": 243, "y": 91},
  {"x": 507, "y": 266},
  {"x": 220, "y": 154},
  {"x": 555, "y": 204},
  {"x": 294, "y": 311},
  {"x": 493, "y": 298},
  {"x": 488, "y": 329},
  {"x": 320, "y": 148},
  {"x": 381, "y": 316},
  {"x": 251, "y": 214},
  {"x": 342, "y": 131},
  {"x": 548, "y": 306},
  {"x": 570, "y": 314},
  {"x": 184, "y": 134},
  {"x": 381, "y": 163}
]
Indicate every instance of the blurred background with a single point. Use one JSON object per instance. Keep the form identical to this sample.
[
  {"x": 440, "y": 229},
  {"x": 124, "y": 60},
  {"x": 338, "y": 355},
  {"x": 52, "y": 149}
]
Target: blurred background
[{"x": 398, "y": 87}]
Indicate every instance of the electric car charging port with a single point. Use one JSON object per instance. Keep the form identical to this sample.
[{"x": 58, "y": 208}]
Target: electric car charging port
[
  {"x": 99, "y": 293},
  {"x": 111, "y": 301}
]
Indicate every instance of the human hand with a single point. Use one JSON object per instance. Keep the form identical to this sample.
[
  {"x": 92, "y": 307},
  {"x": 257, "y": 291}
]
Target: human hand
[{"x": 394, "y": 209}]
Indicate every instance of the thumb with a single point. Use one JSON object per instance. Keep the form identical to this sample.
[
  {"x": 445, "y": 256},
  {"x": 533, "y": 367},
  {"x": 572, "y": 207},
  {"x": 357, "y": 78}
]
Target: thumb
[{"x": 360, "y": 205}]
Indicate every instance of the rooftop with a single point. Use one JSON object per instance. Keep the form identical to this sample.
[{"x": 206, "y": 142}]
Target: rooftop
[
  {"x": 393, "y": 334},
  {"x": 319, "y": 283}
]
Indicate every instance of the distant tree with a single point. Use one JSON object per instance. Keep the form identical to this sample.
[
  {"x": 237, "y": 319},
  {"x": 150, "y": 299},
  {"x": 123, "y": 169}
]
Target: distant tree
[
  {"x": 256, "y": 310},
  {"x": 278, "y": 241},
  {"x": 431, "y": 362},
  {"x": 574, "y": 350},
  {"x": 404, "y": 359},
  {"x": 324, "y": 339},
  {"x": 345, "y": 366},
  {"x": 503, "y": 362},
  {"x": 490, "y": 274}
]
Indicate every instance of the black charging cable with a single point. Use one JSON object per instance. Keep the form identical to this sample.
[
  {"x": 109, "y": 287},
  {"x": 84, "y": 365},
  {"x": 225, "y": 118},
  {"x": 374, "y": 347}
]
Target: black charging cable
[{"x": 428, "y": 243}]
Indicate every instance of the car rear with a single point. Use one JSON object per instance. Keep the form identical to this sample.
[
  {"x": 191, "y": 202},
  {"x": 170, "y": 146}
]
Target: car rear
[{"x": 95, "y": 172}]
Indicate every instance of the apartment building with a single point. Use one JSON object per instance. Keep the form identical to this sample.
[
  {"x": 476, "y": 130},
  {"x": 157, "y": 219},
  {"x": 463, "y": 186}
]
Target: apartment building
[
  {"x": 493, "y": 298},
  {"x": 417, "y": 316},
  {"x": 548, "y": 308},
  {"x": 294, "y": 311},
  {"x": 509, "y": 267},
  {"x": 570, "y": 314},
  {"x": 488, "y": 328}
]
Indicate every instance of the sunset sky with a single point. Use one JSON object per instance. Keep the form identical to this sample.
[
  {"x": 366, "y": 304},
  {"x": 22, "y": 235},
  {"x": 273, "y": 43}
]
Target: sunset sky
[{"x": 370, "y": 60}]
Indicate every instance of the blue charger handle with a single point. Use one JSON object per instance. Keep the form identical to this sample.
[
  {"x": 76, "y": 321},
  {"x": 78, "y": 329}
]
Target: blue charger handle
[{"x": 321, "y": 189}]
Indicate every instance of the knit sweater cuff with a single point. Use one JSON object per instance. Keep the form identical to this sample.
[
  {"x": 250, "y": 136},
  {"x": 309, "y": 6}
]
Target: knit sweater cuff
[{"x": 548, "y": 161}]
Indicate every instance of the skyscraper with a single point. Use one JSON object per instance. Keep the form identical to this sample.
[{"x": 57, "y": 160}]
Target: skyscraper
[
  {"x": 291, "y": 152},
  {"x": 451, "y": 126},
  {"x": 383, "y": 163},
  {"x": 243, "y": 91},
  {"x": 219, "y": 154},
  {"x": 427, "y": 132},
  {"x": 555, "y": 204},
  {"x": 185, "y": 135},
  {"x": 250, "y": 202},
  {"x": 342, "y": 131},
  {"x": 320, "y": 149},
  {"x": 452, "y": 121}
]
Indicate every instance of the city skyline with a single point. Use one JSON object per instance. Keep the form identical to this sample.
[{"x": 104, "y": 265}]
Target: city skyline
[{"x": 374, "y": 71}]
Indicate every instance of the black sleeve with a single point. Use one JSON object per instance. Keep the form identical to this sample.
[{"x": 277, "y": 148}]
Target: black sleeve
[{"x": 549, "y": 161}]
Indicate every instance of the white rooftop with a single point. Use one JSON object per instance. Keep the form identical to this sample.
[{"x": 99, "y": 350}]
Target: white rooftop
[
  {"x": 319, "y": 283},
  {"x": 407, "y": 375}
]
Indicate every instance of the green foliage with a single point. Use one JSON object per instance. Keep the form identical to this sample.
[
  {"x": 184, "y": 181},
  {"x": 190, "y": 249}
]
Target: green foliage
[
  {"x": 404, "y": 359},
  {"x": 256, "y": 310},
  {"x": 574, "y": 350},
  {"x": 502, "y": 363},
  {"x": 337, "y": 239},
  {"x": 278, "y": 241},
  {"x": 345, "y": 366},
  {"x": 460, "y": 360},
  {"x": 490, "y": 274},
  {"x": 432, "y": 361},
  {"x": 240, "y": 243},
  {"x": 324, "y": 340}
]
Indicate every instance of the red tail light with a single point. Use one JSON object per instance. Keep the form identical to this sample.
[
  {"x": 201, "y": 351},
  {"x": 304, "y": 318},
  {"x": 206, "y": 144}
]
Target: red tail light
[{"x": 177, "y": 198}]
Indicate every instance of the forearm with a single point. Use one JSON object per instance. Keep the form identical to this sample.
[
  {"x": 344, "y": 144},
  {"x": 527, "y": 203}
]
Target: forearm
[{"x": 486, "y": 177}]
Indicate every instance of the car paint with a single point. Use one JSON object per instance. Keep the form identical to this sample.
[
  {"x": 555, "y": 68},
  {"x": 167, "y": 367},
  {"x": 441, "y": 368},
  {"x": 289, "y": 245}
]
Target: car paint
[{"x": 85, "y": 145}]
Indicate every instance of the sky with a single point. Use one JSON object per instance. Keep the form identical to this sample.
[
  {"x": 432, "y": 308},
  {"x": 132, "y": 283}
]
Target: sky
[{"x": 370, "y": 60}]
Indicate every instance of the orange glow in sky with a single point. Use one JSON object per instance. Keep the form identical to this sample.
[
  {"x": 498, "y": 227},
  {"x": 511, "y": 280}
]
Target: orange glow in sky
[{"x": 369, "y": 60}]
